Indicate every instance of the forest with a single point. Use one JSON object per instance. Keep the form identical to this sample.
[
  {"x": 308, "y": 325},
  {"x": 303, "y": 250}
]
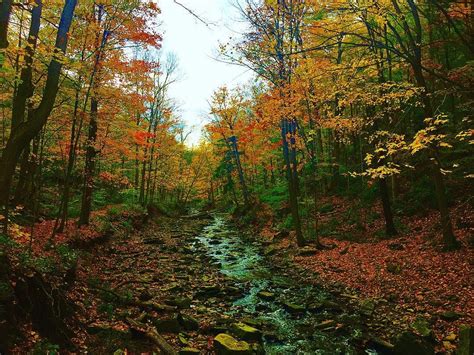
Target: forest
[{"x": 327, "y": 208}]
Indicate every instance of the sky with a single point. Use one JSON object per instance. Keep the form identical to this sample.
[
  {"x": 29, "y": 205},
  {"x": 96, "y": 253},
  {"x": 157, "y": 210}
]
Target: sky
[{"x": 195, "y": 46}]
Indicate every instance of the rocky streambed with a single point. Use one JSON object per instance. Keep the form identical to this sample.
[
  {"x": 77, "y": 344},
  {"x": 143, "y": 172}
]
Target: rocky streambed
[
  {"x": 290, "y": 315},
  {"x": 200, "y": 285}
]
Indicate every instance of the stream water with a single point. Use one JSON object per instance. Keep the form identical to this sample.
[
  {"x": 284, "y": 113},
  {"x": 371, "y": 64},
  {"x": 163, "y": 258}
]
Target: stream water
[{"x": 241, "y": 259}]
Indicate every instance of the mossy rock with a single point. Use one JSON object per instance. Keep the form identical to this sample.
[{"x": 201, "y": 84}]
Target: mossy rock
[
  {"x": 294, "y": 308},
  {"x": 246, "y": 332},
  {"x": 168, "y": 325},
  {"x": 188, "y": 322},
  {"x": 265, "y": 295},
  {"x": 422, "y": 327},
  {"x": 227, "y": 345}
]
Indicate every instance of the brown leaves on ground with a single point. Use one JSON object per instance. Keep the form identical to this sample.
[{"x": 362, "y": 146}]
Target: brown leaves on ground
[{"x": 412, "y": 271}]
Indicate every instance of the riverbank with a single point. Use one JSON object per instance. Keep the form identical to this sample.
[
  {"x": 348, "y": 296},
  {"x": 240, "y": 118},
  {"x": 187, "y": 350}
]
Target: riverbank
[{"x": 409, "y": 282}]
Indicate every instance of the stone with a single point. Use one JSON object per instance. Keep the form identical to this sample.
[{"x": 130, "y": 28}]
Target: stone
[
  {"x": 396, "y": 246},
  {"x": 394, "y": 268},
  {"x": 367, "y": 307},
  {"x": 180, "y": 302},
  {"x": 188, "y": 322},
  {"x": 344, "y": 251},
  {"x": 168, "y": 325},
  {"x": 265, "y": 295},
  {"x": 246, "y": 332},
  {"x": 422, "y": 327},
  {"x": 450, "y": 316},
  {"x": 325, "y": 324},
  {"x": 225, "y": 344},
  {"x": 306, "y": 251},
  {"x": 293, "y": 308},
  {"x": 189, "y": 351},
  {"x": 145, "y": 295},
  {"x": 466, "y": 340},
  {"x": 410, "y": 343}
]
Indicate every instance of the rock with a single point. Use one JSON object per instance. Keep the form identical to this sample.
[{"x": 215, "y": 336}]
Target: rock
[
  {"x": 265, "y": 295},
  {"x": 450, "y": 315},
  {"x": 246, "y": 332},
  {"x": 466, "y": 340},
  {"x": 367, "y": 307},
  {"x": 331, "y": 305},
  {"x": 180, "y": 302},
  {"x": 227, "y": 345},
  {"x": 315, "y": 306},
  {"x": 188, "y": 322},
  {"x": 344, "y": 251},
  {"x": 307, "y": 251},
  {"x": 208, "y": 291},
  {"x": 422, "y": 327},
  {"x": 381, "y": 345},
  {"x": 293, "y": 308},
  {"x": 325, "y": 324},
  {"x": 189, "y": 351},
  {"x": 145, "y": 295},
  {"x": 270, "y": 250},
  {"x": 410, "y": 343},
  {"x": 395, "y": 246},
  {"x": 168, "y": 325},
  {"x": 394, "y": 268}
]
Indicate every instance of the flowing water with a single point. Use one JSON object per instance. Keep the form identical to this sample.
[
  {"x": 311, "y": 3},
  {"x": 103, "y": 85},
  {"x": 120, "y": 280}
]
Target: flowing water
[{"x": 241, "y": 259}]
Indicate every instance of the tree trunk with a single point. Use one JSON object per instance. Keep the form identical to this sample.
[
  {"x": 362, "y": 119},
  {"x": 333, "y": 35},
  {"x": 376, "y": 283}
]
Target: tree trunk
[
  {"x": 448, "y": 236},
  {"x": 5, "y": 11},
  {"x": 387, "y": 210},
  {"x": 292, "y": 188},
  {"x": 26, "y": 131},
  {"x": 89, "y": 169}
]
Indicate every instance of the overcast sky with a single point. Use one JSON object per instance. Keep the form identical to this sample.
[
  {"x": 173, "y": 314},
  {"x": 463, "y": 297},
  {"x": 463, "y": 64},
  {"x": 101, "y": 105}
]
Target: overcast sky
[{"x": 195, "y": 45}]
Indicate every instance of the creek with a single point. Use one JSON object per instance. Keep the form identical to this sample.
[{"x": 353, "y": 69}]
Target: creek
[{"x": 296, "y": 317}]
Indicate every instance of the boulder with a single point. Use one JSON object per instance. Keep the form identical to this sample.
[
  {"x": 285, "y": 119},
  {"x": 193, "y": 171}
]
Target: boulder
[
  {"x": 246, "y": 332},
  {"x": 225, "y": 344}
]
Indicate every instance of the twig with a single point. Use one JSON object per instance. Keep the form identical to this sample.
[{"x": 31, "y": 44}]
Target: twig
[{"x": 192, "y": 13}]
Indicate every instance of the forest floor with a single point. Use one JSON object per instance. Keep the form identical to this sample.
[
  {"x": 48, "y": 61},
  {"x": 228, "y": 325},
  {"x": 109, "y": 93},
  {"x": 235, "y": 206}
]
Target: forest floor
[
  {"x": 415, "y": 284},
  {"x": 162, "y": 276}
]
